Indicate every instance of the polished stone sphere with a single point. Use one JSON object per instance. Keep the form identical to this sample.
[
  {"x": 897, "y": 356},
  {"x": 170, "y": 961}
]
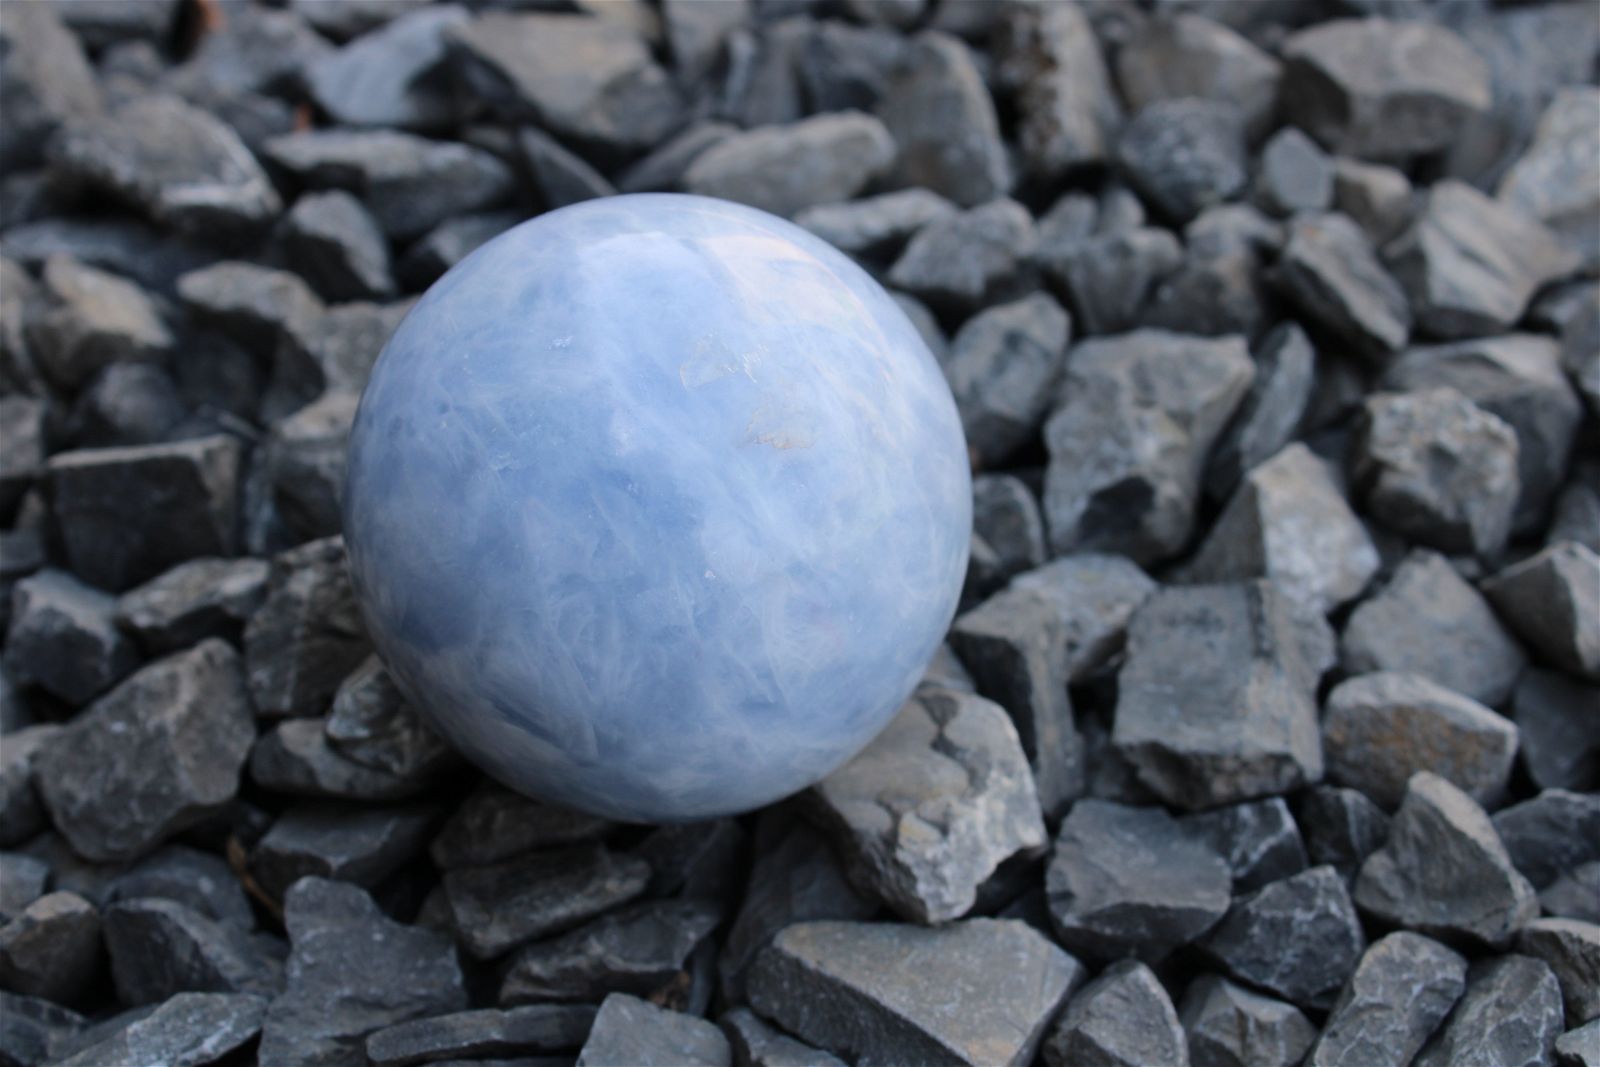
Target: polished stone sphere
[{"x": 657, "y": 507}]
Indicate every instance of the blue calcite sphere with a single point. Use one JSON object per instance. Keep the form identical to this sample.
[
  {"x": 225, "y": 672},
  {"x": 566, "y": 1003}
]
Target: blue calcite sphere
[{"x": 657, "y": 507}]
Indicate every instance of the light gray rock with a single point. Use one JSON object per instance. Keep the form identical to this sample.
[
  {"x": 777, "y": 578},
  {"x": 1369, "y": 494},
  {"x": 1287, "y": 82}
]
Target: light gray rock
[
  {"x": 786, "y": 169},
  {"x": 629, "y": 1032},
  {"x": 1573, "y": 895},
  {"x": 1294, "y": 174},
  {"x": 696, "y": 33},
  {"x": 1552, "y": 600},
  {"x": 202, "y": 598},
  {"x": 939, "y": 113},
  {"x": 1269, "y": 415},
  {"x": 897, "y": 993},
  {"x": 91, "y": 320},
  {"x": 661, "y": 168},
  {"x": 1329, "y": 271},
  {"x": 1185, "y": 154},
  {"x": 1555, "y": 180},
  {"x": 1510, "y": 1016},
  {"x": 188, "y": 1030},
  {"x": 1109, "y": 278},
  {"x": 933, "y": 805},
  {"x": 1579, "y": 1047},
  {"x": 1183, "y": 53},
  {"x": 1123, "y": 1018},
  {"x": 1050, "y": 61},
  {"x": 1560, "y": 742},
  {"x": 1377, "y": 197},
  {"x": 333, "y": 241},
  {"x": 875, "y": 225},
  {"x": 392, "y": 76},
  {"x": 1444, "y": 870},
  {"x": 1230, "y": 1026},
  {"x": 1403, "y": 988},
  {"x": 960, "y": 261},
  {"x": 1004, "y": 365},
  {"x": 1428, "y": 620},
  {"x": 1571, "y": 948},
  {"x": 47, "y": 82}
]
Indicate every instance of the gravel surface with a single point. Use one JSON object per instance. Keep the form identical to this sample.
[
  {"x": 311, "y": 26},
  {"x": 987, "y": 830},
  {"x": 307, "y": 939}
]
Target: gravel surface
[{"x": 1268, "y": 730}]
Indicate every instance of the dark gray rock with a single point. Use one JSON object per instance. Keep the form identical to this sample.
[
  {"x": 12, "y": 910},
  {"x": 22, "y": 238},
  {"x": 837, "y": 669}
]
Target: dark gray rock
[
  {"x": 1294, "y": 174},
  {"x": 560, "y": 175},
  {"x": 151, "y": 257},
  {"x": 1249, "y": 725},
  {"x": 1289, "y": 522},
  {"x": 296, "y": 757},
  {"x": 629, "y": 1032},
  {"x": 1573, "y": 312},
  {"x": 372, "y": 724},
  {"x": 1430, "y": 621},
  {"x": 202, "y": 598},
  {"x": 63, "y": 638},
  {"x": 761, "y": 85},
  {"x": 154, "y": 756},
  {"x": 23, "y": 880},
  {"x": 1298, "y": 938},
  {"x": 795, "y": 879},
  {"x": 1556, "y": 721},
  {"x": 643, "y": 950},
  {"x": 1259, "y": 839},
  {"x": 346, "y": 844},
  {"x": 876, "y": 225},
  {"x": 967, "y": 259},
  {"x": 933, "y": 805},
  {"x": 1004, "y": 365},
  {"x": 843, "y": 66},
  {"x": 482, "y": 1033},
  {"x": 755, "y": 1044},
  {"x": 1005, "y": 514},
  {"x": 495, "y": 823},
  {"x": 21, "y": 813},
  {"x": 47, "y": 82},
  {"x": 1403, "y": 988},
  {"x": 1434, "y": 467},
  {"x": 303, "y": 462},
  {"x": 697, "y": 859},
  {"x": 1330, "y": 272},
  {"x": 409, "y": 183},
  {"x": 590, "y": 79},
  {"x": 1554, "y": 180},
  {"x": 127, "y": 514},
  {"x": 897, "y": 993},
  {"x": 127, "y": 404},
  {"x": 341, "y": 347},
  {"x": 661, "y": 168},
  {"x": 1379, "y": 198},
  {"x": 1551, "y": 834},
  {"x": 696, "y": 32},
  {"x": 1379, "y": 89},
  {"x": 1107, "y": 278},
  {"x": 343, "y": 19},
  {"x": 307, "y": 636},
  {"x": 1185, "y": 154},
  {"x": 198, "y": 880},
  {"x": 352, "y": 971},
  {"x": 252, "y": 50},
  {"x": 786, "y": 169},
  {"x": 1182, "y": 53},
  {"x": 1270, "y": 413},
  {"x": 1132, "y": 881},
  {"x": 1552, "y": 601},
  {"x": 1050, "y": 62},
  {"x": 392, "y": 76},
  {"x": 23, "y": 447},
  {"x": 941, "y": 117},
  {"x": 1136, "y": 417},
  {"x": 1571, "y": 948},
  {"x": 1510, "y": 1016},
  {"x": 499, "y": 906},
  {"x": 188, "y": 1030},
  {"x": 448, "y": 244},
  {"x": 1379, "y": 729},
  {"x": 52, "y": 949},
  {"x": 1230, "y": 1026},
  {"x": 92, "y": 320},
  {"x": 32, "y": 1029},
  {"x": 1444, "y": 871},
  {"x": 179, "y": 165},
  {"x": 1574, "y": 895},
  {"x": 335, "y": 243},
  {"x": 1123, "y": 1018},
  {"x": 261, "y": 309},
  {"x": 1218, "y": 289},
  {"x": 1470, "y": 265},
  {"x": 160, "y": 948}
]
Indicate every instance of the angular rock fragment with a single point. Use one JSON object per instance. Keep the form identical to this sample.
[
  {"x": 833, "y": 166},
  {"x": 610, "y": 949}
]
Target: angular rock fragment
[
  {"x": 202, "y": 598},
  {"x": 1555, "y": 717},
  {"x": 23, "y": 880},
  {"x": 1433, "y": 466},
  {"x": 47, "y": 82},
  {"x": 188, "y": 1030},
  {"x": 155, "y": 755},
  {"x": 874, "y": 225},
  {"x": 1379, "y": 89},
  {"x": 785, "y": 169},
  {"x": 1573, "y": 312},
  {"x": 1571, "y": 948},
  {"x": 1294, "y": 174},
  {"x": 1330, "y": 272},
  {"x": 1298, "y": 938},
  {"x": 961, "y": 260},
  {"x": 941, "y": 116},
  {"x": 160, "y": 948},
  {"x": 929, "y": 809},
  {"x": 630, "y": 1031},
  {"x": 52, "y": 949},
  {"x": 497, "y": 907},
  {"x": 63, "y": 637},
  {"x": 844, "y": 66},
  {"x": 1108, "y": 278},
  {"x": 21, "y": 813},
  {"x": 1444, "y": 871},
  {"x": 1230, "y": 1026},
  {"x": 1185, "y": 155},
  {"x": 642, "y": 949},
  {"x": 1379, "y": 729},
  {"x": 1579, "y": 1047},
  {"x": 1050, "y": 61},
  {"x": 1377, "y": 197},
  {"x": 1289, "y": 522},
  {"x": 448, "y": 244},
  {"x": 303, "y": 461},
  {"x": 371, "y": 723},
  {"x": 1132, "y": 881},
  {"x": 1123, "y": 1018},
  {"x": 127, "y": 404},
  {"x": 23, "y": 437},
  {"x": 1429, "y": 621},
  {"x": 1557, "y": 178},
  {"x": 202, "y": 881},
  {"x": 755, "y": 1044},
  {"x": 1248, "y": 726},
  {"x": 1470, "y": 265},
  {"x": 1128, "y": 441},
  {"x": 296, "y": 757},
  {"x": 360, "y": 845},
  {"x": 1403, "y": 988},
  {"x": 1551, "y": 834},
  {"x": 561, "y": 176},
  {"x": 495, "y": 823},
  {"x": 1552, "y": 600},
  {"x": 482, "y": 1033},
  {"x": 1004, "y": 365},
  {"x": 1510, "y": 1014},
  {"x": 352, "y": 971},
  {"x": 1005, "y": 514},
  {"x": 127, "y": 514},
  {"x": 696, "y": 859},
  {"x": 660, "y": 169},
  {"x": 334, "y": 242},
  {"x": 261, "y": 309},
  {"x": 897, "y": 993},
  {"x": 180, "y": 166},
  {"x": 392, "y": 76},
  {"x": 1258, "y": 839},
  {"x": 1184, "y": 54},
  {"x": 1574, "y": 895},
  {"x": 93, "y": 320},
  {"x": 1269, "y": 415},
  {"x": 307, "y": 636}
]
